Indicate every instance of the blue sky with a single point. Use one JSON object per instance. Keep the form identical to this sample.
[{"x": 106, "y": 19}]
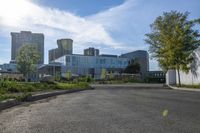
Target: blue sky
[{"x": 113, "y": 26}]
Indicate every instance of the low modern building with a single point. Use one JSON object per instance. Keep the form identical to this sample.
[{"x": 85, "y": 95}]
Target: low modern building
[
  {"x": 11, "y": 67},
  {"x": 11, "y": 75},
  {"x": 91, "y": 65},
  {"x": 52, "y": 69},
  {"x": 141, "y": 57},
  {"x": 190, "y": 78},
  {"x": 155, "y": 77}
]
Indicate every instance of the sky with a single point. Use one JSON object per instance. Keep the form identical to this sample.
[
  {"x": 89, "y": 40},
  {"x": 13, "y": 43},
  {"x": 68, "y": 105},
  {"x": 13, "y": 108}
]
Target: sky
[{"x": 113, "y": 26}]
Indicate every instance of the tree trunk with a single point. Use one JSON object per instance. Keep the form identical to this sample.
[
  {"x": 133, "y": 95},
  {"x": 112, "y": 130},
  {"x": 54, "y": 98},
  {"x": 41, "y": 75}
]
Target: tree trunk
[
  {"x": 26, "y": 78},
  {"x": 179, "y": 80}
]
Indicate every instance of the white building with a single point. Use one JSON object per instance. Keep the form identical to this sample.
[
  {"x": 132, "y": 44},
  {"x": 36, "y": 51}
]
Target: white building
[{"x": 193, "y": 77}]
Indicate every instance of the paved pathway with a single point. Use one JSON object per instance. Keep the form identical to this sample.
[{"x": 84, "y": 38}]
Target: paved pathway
[{"x": 108, "y": 109}]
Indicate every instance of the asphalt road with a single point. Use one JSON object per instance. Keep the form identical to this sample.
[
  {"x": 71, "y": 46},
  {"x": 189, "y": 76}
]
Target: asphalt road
[{"x": 108, "y": 109}]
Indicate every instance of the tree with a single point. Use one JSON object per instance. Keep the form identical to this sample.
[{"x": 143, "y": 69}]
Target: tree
[
  {"x": 68, "y": 75},
  {"x": 111, "y": 76},
  {"x": 173, "y": 40},
  {"x": 133, "y": 68},
  {"x": 57, "y": 76},
  {"x": 27, "y": 58},
  {"x": 103, "y": 73}
]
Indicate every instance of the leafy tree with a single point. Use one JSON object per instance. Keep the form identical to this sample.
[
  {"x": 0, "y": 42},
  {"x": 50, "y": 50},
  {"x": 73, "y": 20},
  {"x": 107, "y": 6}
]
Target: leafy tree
[
  {"x": 173, "y": 40},
  {"x": 133, "y": 68},
  {"x": 57, "y": 76},
  {"x": 103, "y": 73},
  {"x": 27, "y": 58},
  {"x": 68, "y": 75},
  {"x": 111, "y": 76},
  {"x": 88, "y": 78}
]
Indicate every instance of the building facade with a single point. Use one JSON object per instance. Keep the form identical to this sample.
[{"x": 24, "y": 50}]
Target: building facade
[
  {"x": 91, "y": 65},
  {"x": 10, "y": 67},
  {"x": 91, "y": 62},
  {"x": 91, "y": 52},
  {"x": 65, "y": 46},
  {"x": 27, "y": 38},
  {"x": 141, "y": 57},
  {"x": 155, "y": 77},
  {"x": 190, "y": 78}
]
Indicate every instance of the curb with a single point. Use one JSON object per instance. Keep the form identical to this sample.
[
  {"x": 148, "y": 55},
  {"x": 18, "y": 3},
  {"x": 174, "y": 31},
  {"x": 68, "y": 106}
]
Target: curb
[
  {"x": 183, "y": 89},
  {"x": 9, "y": 103},
  {"x": 13, "y": 102},
  {"x": 134, "y": 86}
]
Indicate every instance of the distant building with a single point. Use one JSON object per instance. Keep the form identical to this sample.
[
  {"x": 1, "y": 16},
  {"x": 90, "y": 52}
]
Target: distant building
[
  {"x": 91, "y": 65},
  {"x": 27, "y": 38},
  {"x": 155, "y": 77},
  {"x": 141, "y": 57},
  {"x": 52, "y": 69},
  {"x": 10, "y": 67},
  {"x": 11, "y": 75},
  {"x": 64, "y": 48},
  {"x": 109, "y": 55},
  {"x": 91, "y": 52}
]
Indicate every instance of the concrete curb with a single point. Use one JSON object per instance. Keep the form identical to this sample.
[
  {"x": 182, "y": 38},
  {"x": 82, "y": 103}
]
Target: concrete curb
[
  {"x": 8, "y": 103},
  {"x": 134, "y": 86},
  {"x": 13, "y": 102},
  {"x": 183, "y": 89}
]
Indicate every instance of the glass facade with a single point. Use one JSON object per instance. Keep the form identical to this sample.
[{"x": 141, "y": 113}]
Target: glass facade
[{"x": 92, "y": 65}]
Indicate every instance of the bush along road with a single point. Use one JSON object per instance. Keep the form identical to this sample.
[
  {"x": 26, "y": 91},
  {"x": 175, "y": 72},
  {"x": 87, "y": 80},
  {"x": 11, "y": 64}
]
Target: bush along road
[{"x": 13, "y": 93}]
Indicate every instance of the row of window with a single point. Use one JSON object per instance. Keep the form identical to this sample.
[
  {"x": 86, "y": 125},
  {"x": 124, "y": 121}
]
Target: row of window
[{"x": 84, "y": 60}]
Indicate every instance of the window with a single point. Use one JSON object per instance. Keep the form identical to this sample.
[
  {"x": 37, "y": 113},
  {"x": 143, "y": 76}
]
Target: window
[{"x": 67, "y": 59}]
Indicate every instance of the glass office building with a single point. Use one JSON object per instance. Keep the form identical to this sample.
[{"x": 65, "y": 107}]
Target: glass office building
[{"x": 91, "y": 65}]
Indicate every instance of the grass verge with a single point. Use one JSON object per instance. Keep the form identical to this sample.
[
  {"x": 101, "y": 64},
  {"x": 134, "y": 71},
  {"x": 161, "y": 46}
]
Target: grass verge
[
  {"x": 22, "y": 90},
  {"x": 191, "y": 86}
]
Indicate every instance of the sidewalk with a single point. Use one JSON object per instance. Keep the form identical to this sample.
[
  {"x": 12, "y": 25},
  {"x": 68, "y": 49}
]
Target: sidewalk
[{"x": 185, "y": 89}]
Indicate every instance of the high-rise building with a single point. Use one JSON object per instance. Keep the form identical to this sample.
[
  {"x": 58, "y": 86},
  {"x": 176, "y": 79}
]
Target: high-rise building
[
  {"x": 91, "y": 52},
  {"x": 27, "y": 38},
  {"x": 65, "y": 46}
]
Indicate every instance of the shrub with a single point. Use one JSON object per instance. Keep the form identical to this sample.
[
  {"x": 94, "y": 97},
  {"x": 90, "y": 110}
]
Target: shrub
[
  {"x": 6, "y": 96},
  {"x": 24, "y": 97},
  {"x": 72, "y": 86}
]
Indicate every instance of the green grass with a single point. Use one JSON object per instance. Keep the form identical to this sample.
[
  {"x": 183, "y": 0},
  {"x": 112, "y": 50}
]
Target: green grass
[
  {"x": 21, "y": 90},
  {"x": 6, "y": 96},
  {"x": 64, "y": 86},
  {"x": 191, "y": 86},
  {"x": 120, "y": 81}
]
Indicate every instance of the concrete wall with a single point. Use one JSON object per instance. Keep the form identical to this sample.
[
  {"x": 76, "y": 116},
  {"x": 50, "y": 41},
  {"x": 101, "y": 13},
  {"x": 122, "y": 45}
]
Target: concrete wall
[
  {"x": 189, "y": 78},
  {"x": 171, "y": 77},
  {"x": 193, "y": 77}
]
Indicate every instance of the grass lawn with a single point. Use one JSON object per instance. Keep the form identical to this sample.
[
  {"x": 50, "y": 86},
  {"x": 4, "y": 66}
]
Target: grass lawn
[
  {"x": 191, "y": 86},
  {"x": 20, "y": 90}
]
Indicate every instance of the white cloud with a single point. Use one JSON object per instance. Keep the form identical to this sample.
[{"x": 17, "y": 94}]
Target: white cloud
[
  {"x": 112, "y": 28},
  {"x": 115, "y": 16},
  {"x": 122, "y": 23},
  {"x": 54, "y": 23}
]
